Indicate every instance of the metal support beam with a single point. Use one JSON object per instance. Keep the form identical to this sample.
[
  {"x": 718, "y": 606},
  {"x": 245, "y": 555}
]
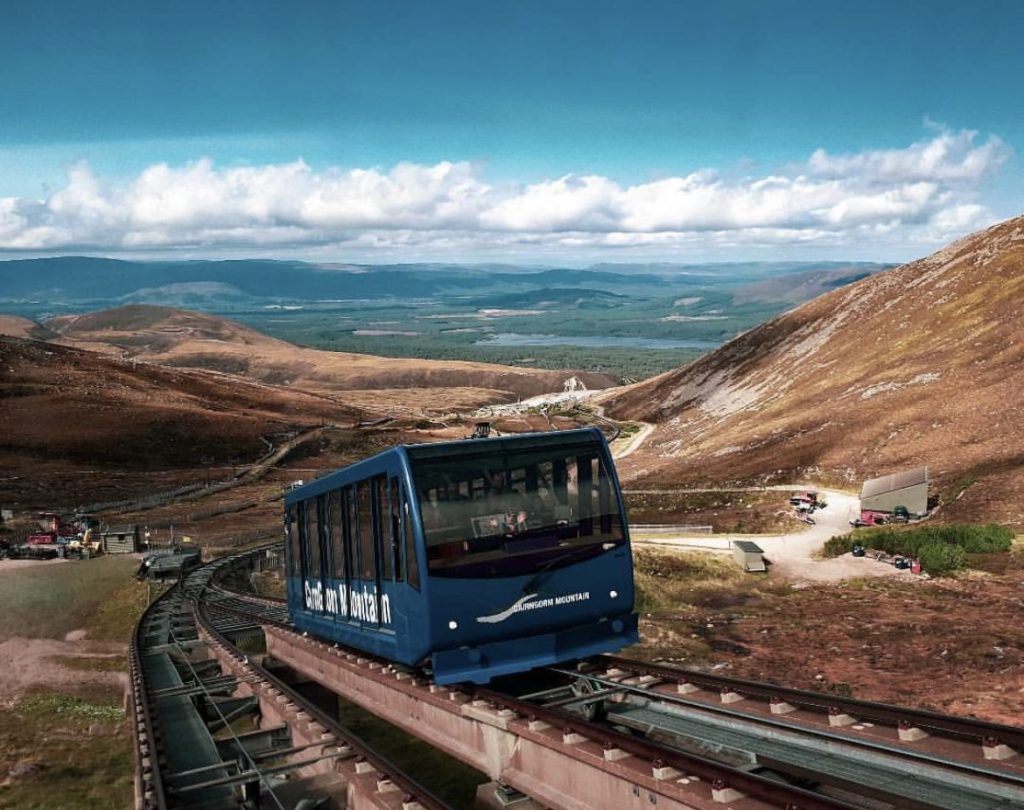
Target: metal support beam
[{"x": 251, "y": 775}]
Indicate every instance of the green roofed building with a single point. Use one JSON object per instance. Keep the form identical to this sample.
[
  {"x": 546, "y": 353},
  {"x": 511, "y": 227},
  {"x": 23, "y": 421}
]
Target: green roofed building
[{"x": 750, "y": 556}]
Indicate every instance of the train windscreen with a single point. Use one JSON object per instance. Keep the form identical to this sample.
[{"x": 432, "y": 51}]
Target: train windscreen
[{"x": 516, "y": 513}]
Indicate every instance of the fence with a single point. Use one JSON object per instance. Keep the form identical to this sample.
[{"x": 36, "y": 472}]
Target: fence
[
  {"x": 236, "y": 539},
  {"x": 250, "y": 472},
  {"x": 659, "y": 528}
]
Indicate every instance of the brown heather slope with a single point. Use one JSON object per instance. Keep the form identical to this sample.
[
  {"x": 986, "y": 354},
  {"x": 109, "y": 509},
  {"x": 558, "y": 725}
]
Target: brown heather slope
[
  {"x": 74, "y": 423},
  {"x": 15, "y": 326},
  {"x": 922, "y": 364},
  {"x": 186, "y": 339}
]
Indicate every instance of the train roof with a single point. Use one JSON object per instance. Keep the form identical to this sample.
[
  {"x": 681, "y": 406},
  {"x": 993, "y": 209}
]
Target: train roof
[
  {"x": 447, "y": 450},
  {"x": 519, "y": 441}
]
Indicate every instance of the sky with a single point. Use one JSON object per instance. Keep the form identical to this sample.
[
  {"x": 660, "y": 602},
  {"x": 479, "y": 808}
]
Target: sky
[{"x": 531, "y": 132}]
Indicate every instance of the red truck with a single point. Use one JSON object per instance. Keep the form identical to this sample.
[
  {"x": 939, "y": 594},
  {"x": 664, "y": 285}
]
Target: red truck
[{"x": 870, "y": 517}]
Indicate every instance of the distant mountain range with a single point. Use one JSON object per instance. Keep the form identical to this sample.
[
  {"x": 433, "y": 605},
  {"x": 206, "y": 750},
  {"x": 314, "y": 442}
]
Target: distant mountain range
[{"x": 71, "y": 280}]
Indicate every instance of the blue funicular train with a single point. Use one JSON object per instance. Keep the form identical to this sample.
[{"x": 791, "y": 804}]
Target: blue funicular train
[{"x": 473, "y": 558}]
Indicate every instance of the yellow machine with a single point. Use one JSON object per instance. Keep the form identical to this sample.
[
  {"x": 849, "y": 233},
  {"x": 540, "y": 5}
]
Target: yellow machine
[{"x": 84, "y": 543}]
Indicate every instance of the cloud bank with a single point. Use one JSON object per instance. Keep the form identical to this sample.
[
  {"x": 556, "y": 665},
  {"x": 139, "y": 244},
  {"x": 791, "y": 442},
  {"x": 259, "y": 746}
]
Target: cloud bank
[{"x": 926, "y": 192}]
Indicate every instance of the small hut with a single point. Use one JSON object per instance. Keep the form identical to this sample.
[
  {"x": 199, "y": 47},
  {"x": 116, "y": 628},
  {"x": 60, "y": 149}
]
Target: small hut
[{"x": 749, "y": 555}]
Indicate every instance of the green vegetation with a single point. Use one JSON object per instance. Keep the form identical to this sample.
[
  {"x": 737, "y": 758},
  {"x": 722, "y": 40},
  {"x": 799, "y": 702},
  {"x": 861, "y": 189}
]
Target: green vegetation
[
  {"x": 940, "y": 549},
  {"x": 66, "y": 751},
  {"x": 632, "y": 362},
  {"x": 672, "y": 580},
  {"x": 840, "y": 688},
  {"x": 55, "y": 706},
  {"x": 453, "y": 327},
  {"x": 49, "y": 601},
  {"x": 629, "y": 429},
  {"x": 69, "y": 749}
]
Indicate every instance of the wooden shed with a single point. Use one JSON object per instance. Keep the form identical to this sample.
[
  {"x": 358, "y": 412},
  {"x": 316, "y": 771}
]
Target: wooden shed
[
  {"x": 120, "y": 539},
  {"x": 750, "y": 556}
]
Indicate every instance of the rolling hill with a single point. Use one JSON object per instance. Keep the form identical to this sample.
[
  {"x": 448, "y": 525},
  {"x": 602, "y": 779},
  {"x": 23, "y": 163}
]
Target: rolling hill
[
  {"x": 186, "y": 339},
  {"x": 919, "y": 365},
  {"x": 77, "y": 426}
]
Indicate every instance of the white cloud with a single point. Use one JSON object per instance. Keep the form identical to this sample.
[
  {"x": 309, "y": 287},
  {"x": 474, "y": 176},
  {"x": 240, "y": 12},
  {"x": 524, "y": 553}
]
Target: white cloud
[
  {"x": 927, "y": 191},
  {"x": 567, "y": 203},
  {"x": 948, "y": 157}
]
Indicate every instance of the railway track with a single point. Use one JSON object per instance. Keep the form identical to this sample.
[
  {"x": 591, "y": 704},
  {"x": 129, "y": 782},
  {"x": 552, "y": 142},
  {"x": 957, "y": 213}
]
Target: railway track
[
  {"x": 855, "y": 750},
  {"x": 680, "y": 738},
  {"x": 214, "y": 729}
]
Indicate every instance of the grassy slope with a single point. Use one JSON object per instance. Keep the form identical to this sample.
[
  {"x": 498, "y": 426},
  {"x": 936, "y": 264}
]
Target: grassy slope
[
  {"x": 52, "y": 600},
  {"x": 74, "y": 743}
]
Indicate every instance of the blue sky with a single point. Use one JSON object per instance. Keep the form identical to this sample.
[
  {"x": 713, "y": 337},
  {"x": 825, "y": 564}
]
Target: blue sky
[{"x": 678, "y": 113}]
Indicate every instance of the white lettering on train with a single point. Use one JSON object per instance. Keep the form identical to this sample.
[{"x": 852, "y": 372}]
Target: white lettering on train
[
  {"x": 314, "y": 596},
  {"x": 530, "y": 602},
  {"x": 354, "y": 603}
]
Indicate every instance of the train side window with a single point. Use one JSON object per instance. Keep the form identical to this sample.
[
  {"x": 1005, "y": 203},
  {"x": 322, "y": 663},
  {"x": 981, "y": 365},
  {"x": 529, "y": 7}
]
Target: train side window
[
  {"x": 312, "y": 540},
  {"x": 385, "y": 559},
  {"x": 352, "y": 519},
  {"x": 392, "y": 530},
  {"x": 412, "y": 568},
  {"x": 603, "y": 506},
  {"x": 294, "y": 552},
  {"x": 585, "y": 473},
  {"x": 367, "y": 563},
  {"x": 323, "y": 519},
  {"x": 339, "y": 533},
  {"x": 303, "y": 524}
]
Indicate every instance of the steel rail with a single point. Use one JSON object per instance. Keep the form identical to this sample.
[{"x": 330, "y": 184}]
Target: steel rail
[
  {"x": 387, "y": 768},
  {"x": 149, "y": 784},
  {"x": 150, "y": 789},
  {"x": 959, "y": 727},
  {"x": 754, "y": 786},
  {"x": 1013, "y": 780}
]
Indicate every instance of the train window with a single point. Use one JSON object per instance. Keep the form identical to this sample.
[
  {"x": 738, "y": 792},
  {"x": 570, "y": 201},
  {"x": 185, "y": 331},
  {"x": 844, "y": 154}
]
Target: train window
[
  {"x": 411, "y": 564},
  {"x": 294, "y": 552},
  {"x": 385, "y": 530},
  {"x": 340, "y": 541},
  {"x": 312, "y": 539},
  {"x": 367, "y": 564},
  {"x": 303, "y": 524},
  {"x": 394, "y": 530},
  {"x": 604, "y": 506},
  {"x": 584, "y": 496},
  {"x": 323, "y": 519},
  {"x": 534, "y": 508}
]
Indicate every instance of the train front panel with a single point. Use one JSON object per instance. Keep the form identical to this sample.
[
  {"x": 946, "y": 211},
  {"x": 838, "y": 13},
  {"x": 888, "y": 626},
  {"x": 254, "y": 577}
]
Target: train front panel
[{"x": 527, "y": 555}]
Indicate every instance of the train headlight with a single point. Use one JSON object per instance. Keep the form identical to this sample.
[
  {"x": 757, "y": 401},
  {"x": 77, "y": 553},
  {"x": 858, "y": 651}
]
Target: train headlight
[
  {"x": 613, "y": 594},
  {"x": 453, "y": 625}
]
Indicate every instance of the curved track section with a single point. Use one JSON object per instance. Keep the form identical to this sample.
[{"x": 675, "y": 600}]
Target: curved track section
[{"x": 215, "y": 730}]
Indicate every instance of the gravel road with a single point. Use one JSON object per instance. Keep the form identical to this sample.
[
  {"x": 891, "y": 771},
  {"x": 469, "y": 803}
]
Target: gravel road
[{"x": 791, "y": 554}]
